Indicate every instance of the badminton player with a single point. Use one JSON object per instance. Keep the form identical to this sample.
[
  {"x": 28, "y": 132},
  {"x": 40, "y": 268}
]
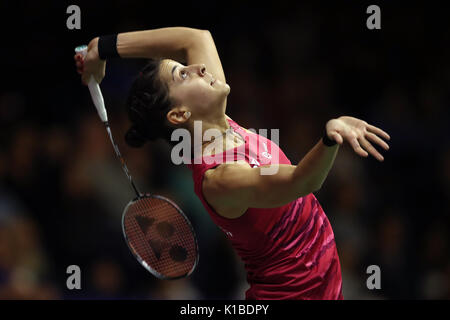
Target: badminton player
[{"x": 273, "y": 221}]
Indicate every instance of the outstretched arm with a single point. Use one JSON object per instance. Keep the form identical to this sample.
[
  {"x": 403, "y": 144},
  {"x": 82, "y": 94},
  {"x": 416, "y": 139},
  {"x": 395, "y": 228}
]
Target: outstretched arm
[
  {"x": 178, "y": 43},
  {"x": 315, "y": 166},
  {"x": 232, "y": 188}
]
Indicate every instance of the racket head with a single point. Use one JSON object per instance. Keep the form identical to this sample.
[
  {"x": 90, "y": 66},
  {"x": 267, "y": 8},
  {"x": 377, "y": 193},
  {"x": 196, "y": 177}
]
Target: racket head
[{"x": 160, "y": 236}]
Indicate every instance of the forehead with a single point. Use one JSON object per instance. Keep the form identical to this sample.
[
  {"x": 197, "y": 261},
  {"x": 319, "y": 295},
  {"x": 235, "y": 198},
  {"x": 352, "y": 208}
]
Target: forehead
[{"x": 166, "y": 68}]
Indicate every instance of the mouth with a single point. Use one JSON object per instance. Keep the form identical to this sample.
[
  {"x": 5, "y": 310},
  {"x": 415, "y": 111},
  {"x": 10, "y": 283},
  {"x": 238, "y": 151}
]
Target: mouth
[{"x": 212, "y": 82}]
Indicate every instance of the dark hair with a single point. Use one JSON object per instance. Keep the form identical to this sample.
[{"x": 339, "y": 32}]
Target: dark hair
[{"x": 147, "y": 106}]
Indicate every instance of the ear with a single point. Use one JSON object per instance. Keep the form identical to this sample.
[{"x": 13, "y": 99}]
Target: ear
[{"x": 178, "y": 116}]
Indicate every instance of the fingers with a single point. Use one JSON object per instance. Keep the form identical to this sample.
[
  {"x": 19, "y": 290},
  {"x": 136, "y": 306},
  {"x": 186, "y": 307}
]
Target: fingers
[
  {"x": 374, "y": 138},
  {"x": 359, "y": 134},
  {"x": 78, "y": 56},
  {"x": 367, "y": 146},
  {"x": 80, "y": 69},
  {"x": 353, "y": 141},
  {"x": 363, "y": 147},
  {"x": 79, "y": 62},
  {"x": 378, "y": 131},
  {"x": 373, "y": 134}
]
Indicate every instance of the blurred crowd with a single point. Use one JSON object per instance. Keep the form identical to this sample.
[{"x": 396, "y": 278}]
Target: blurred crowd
[{"x": 292, "y": 67}]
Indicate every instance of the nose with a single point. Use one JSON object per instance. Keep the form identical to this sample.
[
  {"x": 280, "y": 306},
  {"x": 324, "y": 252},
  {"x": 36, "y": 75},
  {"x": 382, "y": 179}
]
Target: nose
[{"x": 201, "y": 68}]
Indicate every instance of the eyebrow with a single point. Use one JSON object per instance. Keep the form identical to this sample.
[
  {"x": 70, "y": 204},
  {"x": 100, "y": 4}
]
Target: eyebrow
[{"x": 173, "y": 69}]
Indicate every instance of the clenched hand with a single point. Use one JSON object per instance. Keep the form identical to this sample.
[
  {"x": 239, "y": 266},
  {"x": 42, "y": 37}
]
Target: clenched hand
[{"x": 91, "y": 64}]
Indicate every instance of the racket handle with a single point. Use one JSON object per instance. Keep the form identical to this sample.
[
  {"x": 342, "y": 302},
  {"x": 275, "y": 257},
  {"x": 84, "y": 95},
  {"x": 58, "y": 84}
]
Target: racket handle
[
  {"x": 97, "y": 98},
  {"x": 94, "y": 89}
]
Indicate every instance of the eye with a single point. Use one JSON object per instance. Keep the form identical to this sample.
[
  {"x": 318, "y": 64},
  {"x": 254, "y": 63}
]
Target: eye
[{"x": 183, "y": 74}]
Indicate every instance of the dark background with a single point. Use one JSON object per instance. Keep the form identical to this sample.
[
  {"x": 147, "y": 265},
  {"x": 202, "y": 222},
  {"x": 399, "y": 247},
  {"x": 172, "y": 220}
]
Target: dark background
[{"x": 291, "y": 66}]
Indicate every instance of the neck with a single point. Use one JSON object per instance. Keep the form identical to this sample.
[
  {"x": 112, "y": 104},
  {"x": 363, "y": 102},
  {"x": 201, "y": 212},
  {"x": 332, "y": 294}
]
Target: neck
[
  {"x": 220, "y": 124},
  {"x": 216, "y": 120}
]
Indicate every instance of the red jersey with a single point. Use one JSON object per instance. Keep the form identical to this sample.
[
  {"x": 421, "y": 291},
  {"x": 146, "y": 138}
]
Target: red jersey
[{"x": 289, "y": 252}]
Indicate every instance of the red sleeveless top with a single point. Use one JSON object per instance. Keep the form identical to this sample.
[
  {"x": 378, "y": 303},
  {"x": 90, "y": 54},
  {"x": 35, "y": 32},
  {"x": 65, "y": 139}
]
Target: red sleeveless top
[{"x": 289, "y": 252}]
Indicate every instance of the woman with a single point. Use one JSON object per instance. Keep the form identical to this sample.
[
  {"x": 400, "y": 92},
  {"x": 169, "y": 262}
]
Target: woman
[{"x": 273, "y": 221}]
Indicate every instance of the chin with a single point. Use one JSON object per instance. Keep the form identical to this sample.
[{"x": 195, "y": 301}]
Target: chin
[
  {"x": 226, "y": 89},
  {"x": 222, "y": 97}
]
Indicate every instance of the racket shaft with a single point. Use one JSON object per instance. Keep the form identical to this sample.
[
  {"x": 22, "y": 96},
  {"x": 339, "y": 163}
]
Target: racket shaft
[
  {"x": 97, "y": 98},
  {"x": 122, "y": 161}
]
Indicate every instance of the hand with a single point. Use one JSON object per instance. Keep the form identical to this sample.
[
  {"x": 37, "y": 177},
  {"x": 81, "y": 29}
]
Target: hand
[
  {"x": 90, "y": 64},
  {"x": 357, "y": 133}
]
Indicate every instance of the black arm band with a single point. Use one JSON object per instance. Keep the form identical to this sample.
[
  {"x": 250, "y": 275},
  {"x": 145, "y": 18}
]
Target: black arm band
[
  {"x": 107, "y": 47},
  {"x": 327, "y": 141}
]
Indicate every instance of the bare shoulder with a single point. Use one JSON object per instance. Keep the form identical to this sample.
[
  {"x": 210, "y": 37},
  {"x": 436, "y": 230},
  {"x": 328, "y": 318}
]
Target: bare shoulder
[
  {"x": 219, "y": 178},
  {"x": 219, "y": 188}
]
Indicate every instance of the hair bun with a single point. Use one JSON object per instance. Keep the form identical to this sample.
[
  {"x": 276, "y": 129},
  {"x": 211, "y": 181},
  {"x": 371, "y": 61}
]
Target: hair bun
[{"x": 134, "y": 138}]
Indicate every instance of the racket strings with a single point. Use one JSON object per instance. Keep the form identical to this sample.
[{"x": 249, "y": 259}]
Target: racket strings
[{"x": 161, "y": 236}]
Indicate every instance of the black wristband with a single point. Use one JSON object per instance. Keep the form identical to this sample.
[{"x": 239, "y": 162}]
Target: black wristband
[
  {"x": 327, "y": 141},
  {"x": 107, "y": 47}
]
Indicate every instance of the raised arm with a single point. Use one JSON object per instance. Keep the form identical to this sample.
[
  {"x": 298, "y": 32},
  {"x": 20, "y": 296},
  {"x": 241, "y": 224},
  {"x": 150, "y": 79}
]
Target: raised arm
[
  {"x": 178, "y": 43},
  {"x": 232, "y": 188}
]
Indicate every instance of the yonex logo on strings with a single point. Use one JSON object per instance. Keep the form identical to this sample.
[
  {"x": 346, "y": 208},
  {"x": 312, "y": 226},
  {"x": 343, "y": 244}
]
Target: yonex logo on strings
[{"x": 165, "y": 231}]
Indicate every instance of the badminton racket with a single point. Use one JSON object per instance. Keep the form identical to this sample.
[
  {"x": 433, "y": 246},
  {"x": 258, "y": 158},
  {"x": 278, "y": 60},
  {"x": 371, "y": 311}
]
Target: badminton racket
[{"x": 156, "y": 230}]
